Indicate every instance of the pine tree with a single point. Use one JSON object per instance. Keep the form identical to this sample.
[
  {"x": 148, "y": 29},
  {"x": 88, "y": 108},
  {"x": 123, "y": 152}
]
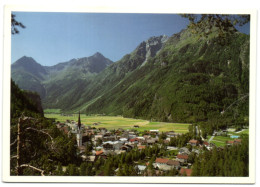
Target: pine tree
[{"x": 83, "y": 169}]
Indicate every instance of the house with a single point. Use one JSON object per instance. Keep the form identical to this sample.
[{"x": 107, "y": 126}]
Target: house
[
  {"x": 185, "y": 172},
  {"x": 156, "y": 140},
  {"x": 155, "y": 132},
  {"x": 172, "y": 134},
  {"x": 120, "y": 130},
  {"x": 98, "y": 153},
  {"x": 197, "y": 151},
  {"x": 184, "y": 150},
  {"x": 123, "y": 140},
  {"x": 65, "y": 130},
  {"x": 194, "y": 142},
  {"x": 140, "y": 169},
  {"x": 237, "y": 141},
  {"x": 166, "y": 164},
  {"x": 96, "y": 137},
  {"x": 171, "y": 148},
  {"x": 131, "y": 136},
  {"x": 150, "y": 142},
  {"x": 146, "y": 137},
  {"x": 230, "y": 142},
  {"x": 91, "y": 158},
  {"x": 115, "y": 145},
  {"x": 174, "y": 163},
  {"x": 101, "y": 154},
  {"x": 126, "y": 148},
  {"x": 125, "y": 135},
  {"x": 60, "y": 125},
  {"x": 108, "y": 137},
  {"x": 134, "y": 140},
  {"x": 161, "y": 161},
  {"x": 234, "y": 142},
  {"x": 140, "y": 147},
  {"x": 182, "y": 158},
  {"x": 108, "y": 146},
  {"x": 206, "y": 144},
  {"x": 141, "y": 140}
]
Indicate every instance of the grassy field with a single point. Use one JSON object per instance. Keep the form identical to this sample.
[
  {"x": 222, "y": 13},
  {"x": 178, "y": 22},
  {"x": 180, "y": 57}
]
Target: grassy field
[
  {"x": 52, "y": 111},
  {"x": 221, "y": 140},
  {"x": 115, "y": 122},
  {"x": 244, "y": 131}
]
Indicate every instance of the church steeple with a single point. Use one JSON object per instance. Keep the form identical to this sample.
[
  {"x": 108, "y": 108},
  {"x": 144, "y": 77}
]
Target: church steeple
[
  {"x": 79, "y": 132},
  {"x": 79, "y": 122}
]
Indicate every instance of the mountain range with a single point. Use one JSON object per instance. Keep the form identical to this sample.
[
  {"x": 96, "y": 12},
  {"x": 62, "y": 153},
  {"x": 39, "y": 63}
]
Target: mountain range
[{"x": 183, "y": 78}]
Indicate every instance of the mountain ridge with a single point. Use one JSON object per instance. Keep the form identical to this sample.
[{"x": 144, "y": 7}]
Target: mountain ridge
[{"x": 30, "y": 75}]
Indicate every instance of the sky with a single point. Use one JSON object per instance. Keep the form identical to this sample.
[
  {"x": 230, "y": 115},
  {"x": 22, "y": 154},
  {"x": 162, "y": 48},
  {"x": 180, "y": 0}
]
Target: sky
[{"x": 51, "y": 38}]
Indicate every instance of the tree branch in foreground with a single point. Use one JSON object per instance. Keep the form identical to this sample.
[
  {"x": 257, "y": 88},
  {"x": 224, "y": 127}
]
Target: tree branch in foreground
[{"x": 37, "y": 169}]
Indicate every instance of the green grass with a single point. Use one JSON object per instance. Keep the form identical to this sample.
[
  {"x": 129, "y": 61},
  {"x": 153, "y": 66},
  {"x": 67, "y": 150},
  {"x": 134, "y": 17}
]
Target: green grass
[
  {"x": 52, "y": 111},
  {"x": 218, "y": 143},
  {"x": 115, "y": 122},
  {"x": 222, "y": 138},
  {"x": 245, "y": 131}
]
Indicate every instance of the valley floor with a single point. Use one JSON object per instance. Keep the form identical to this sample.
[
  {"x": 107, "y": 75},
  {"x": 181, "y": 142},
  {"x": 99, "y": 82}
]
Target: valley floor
[{"x": 115, "y": 122}]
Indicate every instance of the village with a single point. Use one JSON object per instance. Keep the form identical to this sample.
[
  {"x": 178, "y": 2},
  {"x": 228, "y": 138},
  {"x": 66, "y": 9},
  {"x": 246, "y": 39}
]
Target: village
[{"x": 94, "y": 143}]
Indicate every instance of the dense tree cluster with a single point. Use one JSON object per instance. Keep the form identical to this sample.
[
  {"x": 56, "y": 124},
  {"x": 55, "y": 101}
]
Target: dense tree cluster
[
  {"x": 42, "y": 145},
  {"x": 229, "y": 161}
]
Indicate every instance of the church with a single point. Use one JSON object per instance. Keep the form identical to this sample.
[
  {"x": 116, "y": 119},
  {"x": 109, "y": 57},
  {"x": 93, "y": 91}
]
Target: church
[{"x": 79, "y": 132}]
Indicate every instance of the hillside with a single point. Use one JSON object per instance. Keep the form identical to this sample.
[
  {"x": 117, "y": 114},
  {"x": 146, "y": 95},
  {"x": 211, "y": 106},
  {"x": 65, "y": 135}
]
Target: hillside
[
  {"x": 29, "y": 74},
  {"x": 192, "y": 79},
  {"x": 88, "y": 91},
  {"x": 50, "y": 80},
  {"x": 24, "y": 102},
  {"x": 36, "y": 149}
]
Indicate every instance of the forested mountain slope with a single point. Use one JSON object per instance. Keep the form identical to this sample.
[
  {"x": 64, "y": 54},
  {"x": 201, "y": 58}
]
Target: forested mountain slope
[{"x": 192, "y": 79}]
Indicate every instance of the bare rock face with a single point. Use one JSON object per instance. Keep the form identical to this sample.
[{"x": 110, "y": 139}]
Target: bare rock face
[{"x": 151, "y": 47}]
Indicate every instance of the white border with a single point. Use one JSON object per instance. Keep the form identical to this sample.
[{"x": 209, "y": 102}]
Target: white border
[{"x": 123, "y": 9}]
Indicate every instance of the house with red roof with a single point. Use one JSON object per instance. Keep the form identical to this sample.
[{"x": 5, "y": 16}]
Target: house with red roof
[
  {"x": 182, "y": 158},
  {"x": 194, "y": 142},
  {"x": 166, "y": 164},
  {"x": 140, "y": 147},
  {"x": 234, "y": 142},
  {"x": 134, "y": 140},
  {"x": 185, "y": 172},
  {"x": 101, "y": 154}
]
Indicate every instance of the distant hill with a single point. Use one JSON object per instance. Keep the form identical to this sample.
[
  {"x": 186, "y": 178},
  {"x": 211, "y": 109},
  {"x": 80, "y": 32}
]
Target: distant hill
[
  {"x": 30, "y": 75},
  {"x": 30, "y": 66}
]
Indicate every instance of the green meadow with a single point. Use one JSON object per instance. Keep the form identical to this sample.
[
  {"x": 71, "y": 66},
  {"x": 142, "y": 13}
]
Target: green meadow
[
  {"x": 221, "y": 140},
  {"x": 115, "y": 122}
]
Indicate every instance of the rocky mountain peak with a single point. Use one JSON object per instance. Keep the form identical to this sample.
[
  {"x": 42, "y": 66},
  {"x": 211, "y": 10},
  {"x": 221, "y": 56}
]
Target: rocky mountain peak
[
  {"x": 30, "y": 65},
  {"x": 98, "y": 54},
  {"x": 151, "y": 47}
]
